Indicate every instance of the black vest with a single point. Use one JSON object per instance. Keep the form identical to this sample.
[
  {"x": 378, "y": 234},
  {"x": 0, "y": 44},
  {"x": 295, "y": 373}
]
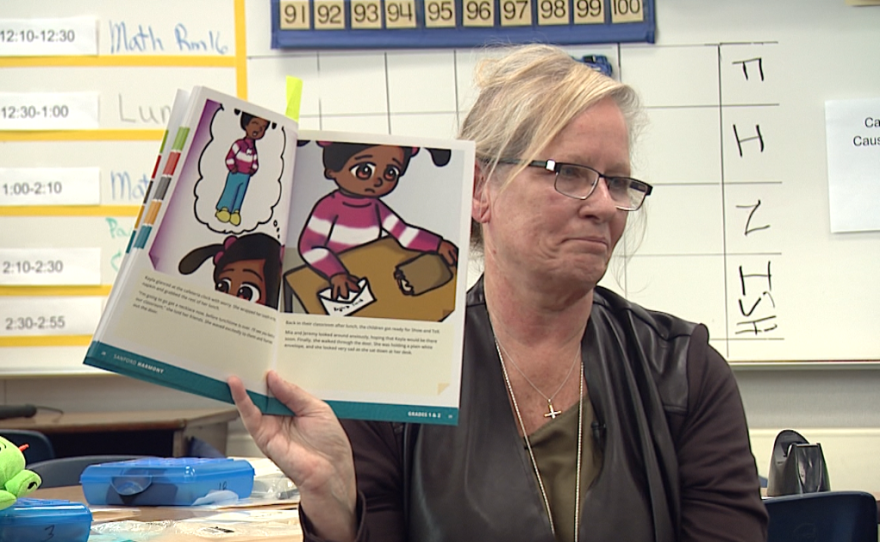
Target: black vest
[{"x": 474, "y": 481}]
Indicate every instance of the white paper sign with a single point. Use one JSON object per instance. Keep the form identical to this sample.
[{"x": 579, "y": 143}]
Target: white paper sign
[
  {"x": 48, "y": 110},
  {"x": 50, "y": 266},
  {"x": 50, "y": 186},
  {"x": 49, "y": 37},
  {"x": 852, "y": 131},
  {"x": 49, "y": 315}
]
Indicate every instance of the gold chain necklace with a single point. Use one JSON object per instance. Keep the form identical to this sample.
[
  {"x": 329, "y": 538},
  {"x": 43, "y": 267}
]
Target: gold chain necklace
[
  {"x": 577, "y": 483},
  {"x": 552, "y": 412}
]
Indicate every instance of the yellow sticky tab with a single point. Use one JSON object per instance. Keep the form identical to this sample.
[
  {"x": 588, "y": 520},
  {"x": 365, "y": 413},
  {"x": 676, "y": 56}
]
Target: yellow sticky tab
[{"x": 294, "y": 97}]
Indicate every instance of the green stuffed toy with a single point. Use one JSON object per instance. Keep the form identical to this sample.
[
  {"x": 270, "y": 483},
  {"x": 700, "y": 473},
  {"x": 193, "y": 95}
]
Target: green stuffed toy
[{"x": 15, "y": 480}]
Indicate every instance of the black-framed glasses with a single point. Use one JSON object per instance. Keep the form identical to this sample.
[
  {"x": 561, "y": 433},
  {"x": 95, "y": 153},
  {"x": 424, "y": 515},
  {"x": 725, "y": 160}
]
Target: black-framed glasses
[{"x": 577, "y": 181}]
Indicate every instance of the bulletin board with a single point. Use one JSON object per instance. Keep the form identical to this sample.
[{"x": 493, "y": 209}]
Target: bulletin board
[{"x": 736, "y": 234}]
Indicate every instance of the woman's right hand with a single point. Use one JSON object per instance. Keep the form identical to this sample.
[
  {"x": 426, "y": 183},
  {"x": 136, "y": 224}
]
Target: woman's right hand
[{"x": 311, "y": 448}]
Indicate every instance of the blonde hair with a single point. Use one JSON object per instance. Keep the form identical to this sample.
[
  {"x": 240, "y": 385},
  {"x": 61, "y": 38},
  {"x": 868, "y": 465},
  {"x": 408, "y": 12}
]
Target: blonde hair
[{"x": 527, "y": 97}]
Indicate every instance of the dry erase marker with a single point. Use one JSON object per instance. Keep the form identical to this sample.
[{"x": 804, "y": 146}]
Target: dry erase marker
[{"x": 599, "y": 63}]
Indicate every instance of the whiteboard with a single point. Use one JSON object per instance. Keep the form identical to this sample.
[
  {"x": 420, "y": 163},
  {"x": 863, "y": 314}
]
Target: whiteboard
[{"x": 725, "y": 212}]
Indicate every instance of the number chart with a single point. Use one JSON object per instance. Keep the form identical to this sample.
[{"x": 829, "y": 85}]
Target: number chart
[{"x": 347, "y": 24}]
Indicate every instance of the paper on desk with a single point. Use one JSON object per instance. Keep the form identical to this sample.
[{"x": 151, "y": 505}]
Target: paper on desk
[
  {"x": 239, "y": 526},
  {"x": 128, "y": 531},
  {"x": 252, "y": 503},
  {"x": 271, "y": 486},
  {"x": 290, "y": 517},
  {"x": 101, "y": 514},
  {"x": 243, "y": 525}
]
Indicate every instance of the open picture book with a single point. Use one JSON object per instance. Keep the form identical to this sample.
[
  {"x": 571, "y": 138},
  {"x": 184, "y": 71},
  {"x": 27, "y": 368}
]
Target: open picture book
[{"x": 337, "y": 259}]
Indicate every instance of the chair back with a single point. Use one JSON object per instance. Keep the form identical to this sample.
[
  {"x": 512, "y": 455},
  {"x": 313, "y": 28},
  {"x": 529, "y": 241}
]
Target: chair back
[
  {"x": 39, "y": 446},
  {"x": 841, "y": 516},
  {"x": 65, "y": 471}
]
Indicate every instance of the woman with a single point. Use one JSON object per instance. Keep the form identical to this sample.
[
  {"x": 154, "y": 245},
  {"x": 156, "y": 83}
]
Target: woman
[{"x": 583, "y": 416}]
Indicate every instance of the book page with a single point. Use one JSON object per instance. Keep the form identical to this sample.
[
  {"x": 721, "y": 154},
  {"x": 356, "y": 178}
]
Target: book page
[
  {"x": 165, "y": 319},
  {"x": 199, "y": 300},
  {"x": 373, "y": 292}
]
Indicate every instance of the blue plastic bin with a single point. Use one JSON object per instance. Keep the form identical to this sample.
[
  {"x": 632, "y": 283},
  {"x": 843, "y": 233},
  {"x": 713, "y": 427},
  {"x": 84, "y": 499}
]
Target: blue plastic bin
[
  {"x": 45, "y": 519},
  {"x": 177, "y": 481}
]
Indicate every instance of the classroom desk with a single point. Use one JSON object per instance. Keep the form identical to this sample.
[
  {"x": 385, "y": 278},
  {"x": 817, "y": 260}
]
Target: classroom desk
[
  {"x": 146, "y": 513},
  {"x": 163, "y": 433}
]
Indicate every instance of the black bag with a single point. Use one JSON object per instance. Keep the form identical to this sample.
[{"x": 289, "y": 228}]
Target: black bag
[{"x": 796, "y": 466}]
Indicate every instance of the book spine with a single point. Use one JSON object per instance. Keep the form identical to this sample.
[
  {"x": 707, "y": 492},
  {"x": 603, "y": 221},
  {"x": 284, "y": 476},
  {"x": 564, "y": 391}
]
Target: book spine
[
  {"x": 151, "y": 209},
  {"x": 139, "y": 220}
]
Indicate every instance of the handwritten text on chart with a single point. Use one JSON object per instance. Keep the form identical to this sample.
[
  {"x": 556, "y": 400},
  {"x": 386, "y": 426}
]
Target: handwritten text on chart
[
  {"x": 750, "y": 288},
  {"x": 120, "y": 234},
  {"x": 49, "y": 37},
  {"x": 128, "y": 37},
  {"x": 128, "y": 188},
  {"x": 137, "y": 113}
]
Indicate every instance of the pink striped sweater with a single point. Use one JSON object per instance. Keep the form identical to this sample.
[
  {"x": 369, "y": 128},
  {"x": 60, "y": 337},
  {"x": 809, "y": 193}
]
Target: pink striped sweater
[
  {"x": 242, "y": 157},
  {"x": 339, "y": 222}
]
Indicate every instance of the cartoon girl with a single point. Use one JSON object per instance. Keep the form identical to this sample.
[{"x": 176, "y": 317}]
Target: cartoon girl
[
  {"x": 354, "y": 214},
  {"x": 248, "y": 267},
  {"x": 242, "y": 163}
]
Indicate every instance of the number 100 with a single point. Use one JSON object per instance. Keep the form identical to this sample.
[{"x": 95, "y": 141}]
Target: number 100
[{"x": 624, "y": 11}]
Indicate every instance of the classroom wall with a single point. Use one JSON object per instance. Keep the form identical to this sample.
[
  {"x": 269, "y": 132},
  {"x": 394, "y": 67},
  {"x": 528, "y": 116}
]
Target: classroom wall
[{"x": 835, "y": 404}]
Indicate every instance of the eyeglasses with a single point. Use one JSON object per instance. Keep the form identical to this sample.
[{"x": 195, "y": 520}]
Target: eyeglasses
[{"x": 576, "y": 181}]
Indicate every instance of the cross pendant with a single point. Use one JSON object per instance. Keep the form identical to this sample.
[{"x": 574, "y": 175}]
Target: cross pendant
[{"x": 552, "y": 413}]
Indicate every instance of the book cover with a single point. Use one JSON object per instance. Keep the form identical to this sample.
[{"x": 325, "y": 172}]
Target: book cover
[{"x": 332, "y": 258}]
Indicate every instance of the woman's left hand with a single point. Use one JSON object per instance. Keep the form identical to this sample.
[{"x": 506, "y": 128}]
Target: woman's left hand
[{"x": 311, "y": 448}]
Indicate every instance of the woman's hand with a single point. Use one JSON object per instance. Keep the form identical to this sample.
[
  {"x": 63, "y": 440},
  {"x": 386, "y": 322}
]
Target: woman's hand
[
  {"x": 341, "y": 284},
  {"x": 311, "y": 448}
]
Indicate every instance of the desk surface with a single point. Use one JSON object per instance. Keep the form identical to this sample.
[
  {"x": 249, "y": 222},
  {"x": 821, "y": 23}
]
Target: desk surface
[
  {"x": 153, "y": 513},
  {"x": 144, "y": 513},
  {"x": 75, "y": 422}
]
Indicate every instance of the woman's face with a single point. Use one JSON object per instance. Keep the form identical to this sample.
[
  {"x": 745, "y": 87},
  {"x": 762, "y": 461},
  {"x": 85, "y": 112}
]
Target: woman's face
[
  {"x": 371, "y": 173},
  {"x": 531, "y": 231},
  {"x": 243, "y": 279}
]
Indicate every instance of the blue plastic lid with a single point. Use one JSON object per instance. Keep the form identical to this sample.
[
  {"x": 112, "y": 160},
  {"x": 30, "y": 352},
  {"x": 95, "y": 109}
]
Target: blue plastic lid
[
  {"x": 27, "y": 512},
  {"x": 134, "y": 476}
]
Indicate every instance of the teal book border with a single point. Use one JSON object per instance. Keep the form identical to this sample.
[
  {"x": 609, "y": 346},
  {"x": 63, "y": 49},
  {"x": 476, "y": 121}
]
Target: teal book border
[{"x": 117, "y": 360}]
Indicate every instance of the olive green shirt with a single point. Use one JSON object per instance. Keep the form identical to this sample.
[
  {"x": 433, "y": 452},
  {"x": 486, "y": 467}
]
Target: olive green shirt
[{"x": 555, "y": 449}]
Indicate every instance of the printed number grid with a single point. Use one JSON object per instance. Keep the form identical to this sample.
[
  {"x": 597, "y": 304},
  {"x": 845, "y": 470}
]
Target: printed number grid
[{"x": 349, "y": 24}]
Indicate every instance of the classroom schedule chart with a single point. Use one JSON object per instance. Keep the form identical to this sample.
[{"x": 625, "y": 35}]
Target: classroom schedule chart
[
  {"x": 713, "y": 246},
  {"x": 83, "y": 110}
]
